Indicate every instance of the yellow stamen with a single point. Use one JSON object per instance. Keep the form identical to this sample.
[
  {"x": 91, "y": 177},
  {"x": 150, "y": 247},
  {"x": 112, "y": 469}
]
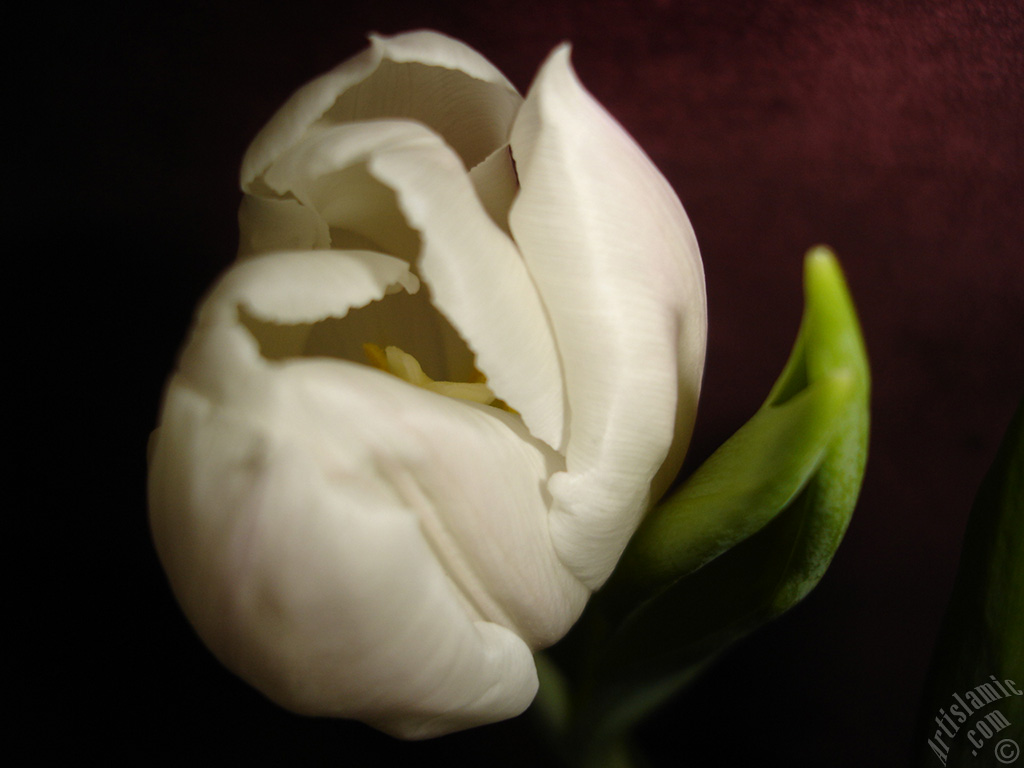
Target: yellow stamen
[
  {"x": 406, "y": 367},
  {"x": 376, "y": 356}
]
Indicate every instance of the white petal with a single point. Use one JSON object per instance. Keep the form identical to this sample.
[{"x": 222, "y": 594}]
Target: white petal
[
  {"x": 325, "y": 304},
  {"x": 617, "y": 264},
  {"x": 422, "y": 76},
  {"x": 330, "y": 284},
  {"x": 474, "y": 477},
  {"x": 327, "y": 172},
  {"x": 315, "y": 584},
  {"x": 306, "y": 286},
  {"x": 494, "y": 180},
  {"x": 381, "y": 178},
  {"x": 479, "y": 281},
  {"x": 350, "y": 544}
]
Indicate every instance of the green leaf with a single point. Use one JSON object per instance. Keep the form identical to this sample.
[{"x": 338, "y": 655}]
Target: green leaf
[
  {"x": 981, "y": 642},
  {"x": 742, "y": 486},
  {"x": 752, "y": 531}
]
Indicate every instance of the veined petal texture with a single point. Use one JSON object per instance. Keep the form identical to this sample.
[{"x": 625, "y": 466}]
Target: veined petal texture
[{"x": 617, "y": 265}]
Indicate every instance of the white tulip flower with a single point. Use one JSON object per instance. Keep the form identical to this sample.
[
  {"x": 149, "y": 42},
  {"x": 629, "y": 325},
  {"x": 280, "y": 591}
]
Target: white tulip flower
[{"x": 415, "y": 425}]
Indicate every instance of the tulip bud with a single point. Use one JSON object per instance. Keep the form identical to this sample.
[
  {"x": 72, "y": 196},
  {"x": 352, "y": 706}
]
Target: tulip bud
[{"x": 415, "y": 425}]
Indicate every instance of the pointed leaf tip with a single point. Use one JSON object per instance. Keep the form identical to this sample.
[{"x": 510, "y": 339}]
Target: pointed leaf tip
[{"x": 812, "y": 425}]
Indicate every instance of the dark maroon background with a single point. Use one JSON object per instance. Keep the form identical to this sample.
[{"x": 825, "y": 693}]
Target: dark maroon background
[{"x": 890, "y": 130}]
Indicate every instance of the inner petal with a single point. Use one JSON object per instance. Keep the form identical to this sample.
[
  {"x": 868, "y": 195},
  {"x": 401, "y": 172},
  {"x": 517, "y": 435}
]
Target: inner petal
[
  {"x": 422, "y": 76},
  {"x": 328, "y": 174},
  {"x": 472, "y": 115},
  {"x": 407, "y": 321},
  {"x": 398, "y": 187}
]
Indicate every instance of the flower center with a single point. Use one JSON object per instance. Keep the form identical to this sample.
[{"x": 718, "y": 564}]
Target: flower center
[{"x": 406, "y": 367}]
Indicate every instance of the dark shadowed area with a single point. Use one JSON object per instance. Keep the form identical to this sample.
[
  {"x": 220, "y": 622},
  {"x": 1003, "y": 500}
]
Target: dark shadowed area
[{"x": 888, "y": 130}]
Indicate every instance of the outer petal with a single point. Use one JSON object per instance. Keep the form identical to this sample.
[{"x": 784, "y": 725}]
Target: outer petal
[
  {"x": 348, "y": 543},
  {"x": 422, "y": 76},
  {"x": 315, "y": 583},
  {"x": 617, "y": 264}
]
